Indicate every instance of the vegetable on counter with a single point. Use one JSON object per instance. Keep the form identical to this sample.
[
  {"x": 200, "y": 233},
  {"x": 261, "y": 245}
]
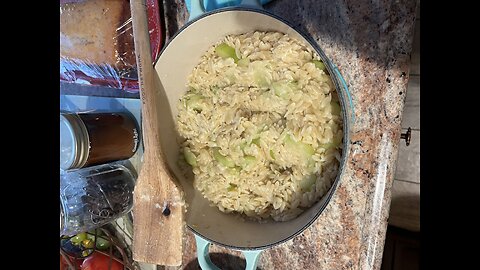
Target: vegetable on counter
[
  {"x": 98, "y": 261},
  {"x": 100, "y": 240},
  {"x": 84, "y": 251},
  {"x": 77, "y": 263},
  {"x": 77, "y": 239},
  {"x": 83, "y": 244},
  {"x": 87, "y": 243},
  {"x": 102, "y": 244}
]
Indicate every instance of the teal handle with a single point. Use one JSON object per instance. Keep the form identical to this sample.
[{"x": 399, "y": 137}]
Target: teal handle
[
  {"x": 251, "y": 256},
  {"x": 252, "y": 3},
  {"x": 347, "y": 92},
  {"x": 197, "y": 7}
]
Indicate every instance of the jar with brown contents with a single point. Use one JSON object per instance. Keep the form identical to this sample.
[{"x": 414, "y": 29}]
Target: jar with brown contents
[{"x": 88, "y": 139}]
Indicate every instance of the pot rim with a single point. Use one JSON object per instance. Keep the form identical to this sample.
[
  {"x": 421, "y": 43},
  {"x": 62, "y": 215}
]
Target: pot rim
[{"x": 346, "y": 120}]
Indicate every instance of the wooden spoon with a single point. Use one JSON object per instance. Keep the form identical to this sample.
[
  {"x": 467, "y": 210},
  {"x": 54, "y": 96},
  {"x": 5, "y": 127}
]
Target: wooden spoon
[{"x": 158, "y": 205}]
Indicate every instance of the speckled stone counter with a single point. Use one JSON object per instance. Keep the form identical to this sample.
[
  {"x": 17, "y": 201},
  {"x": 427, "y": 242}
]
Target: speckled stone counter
[{"x": 370, "y": 42}]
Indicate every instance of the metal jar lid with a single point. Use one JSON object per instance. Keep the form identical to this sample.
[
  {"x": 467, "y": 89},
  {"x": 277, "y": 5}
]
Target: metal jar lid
[{"x": 74, "y": 141}]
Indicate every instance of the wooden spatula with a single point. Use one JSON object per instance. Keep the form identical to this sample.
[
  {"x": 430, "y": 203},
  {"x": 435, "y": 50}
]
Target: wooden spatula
[{"x": 158, "y": 206}]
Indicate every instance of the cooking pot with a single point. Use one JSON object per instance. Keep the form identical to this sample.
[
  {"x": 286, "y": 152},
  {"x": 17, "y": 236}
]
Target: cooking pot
[{"x": 176, "y": 61}]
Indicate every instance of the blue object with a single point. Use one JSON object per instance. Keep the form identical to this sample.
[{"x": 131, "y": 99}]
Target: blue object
[
  {"x": 210, "y": 5},
  {"x": 251, "y": 256},
  {"x": 344, "y": 84}
]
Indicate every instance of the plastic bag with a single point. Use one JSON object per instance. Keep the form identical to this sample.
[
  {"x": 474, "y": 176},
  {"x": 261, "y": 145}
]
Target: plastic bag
[{"x": 96, "y": 42}]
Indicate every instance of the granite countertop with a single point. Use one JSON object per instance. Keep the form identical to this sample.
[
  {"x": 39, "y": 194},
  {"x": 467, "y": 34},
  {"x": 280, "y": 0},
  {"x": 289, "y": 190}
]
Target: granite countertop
[{"x": 370, "y": 42}]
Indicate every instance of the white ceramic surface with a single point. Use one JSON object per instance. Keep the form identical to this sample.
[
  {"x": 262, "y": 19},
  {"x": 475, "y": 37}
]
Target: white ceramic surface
[{"x": 177, "y": 60}]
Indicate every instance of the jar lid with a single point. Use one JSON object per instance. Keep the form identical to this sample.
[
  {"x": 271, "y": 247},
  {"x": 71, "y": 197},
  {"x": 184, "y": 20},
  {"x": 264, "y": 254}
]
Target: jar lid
[{"x": 74, "y": 142}]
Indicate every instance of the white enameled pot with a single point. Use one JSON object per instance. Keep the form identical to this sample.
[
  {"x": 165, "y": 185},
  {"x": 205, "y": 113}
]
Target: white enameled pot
[{"x": 176, "y": 61}]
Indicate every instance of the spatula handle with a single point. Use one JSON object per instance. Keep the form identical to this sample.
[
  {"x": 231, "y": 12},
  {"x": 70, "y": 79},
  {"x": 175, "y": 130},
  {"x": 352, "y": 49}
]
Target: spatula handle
[
  {"x": 158, "y": 205},
  {"x": 146, "y": 74}
]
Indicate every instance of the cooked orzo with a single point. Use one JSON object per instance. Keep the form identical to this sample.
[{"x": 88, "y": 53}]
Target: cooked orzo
[{"x": 262, "y": 126}]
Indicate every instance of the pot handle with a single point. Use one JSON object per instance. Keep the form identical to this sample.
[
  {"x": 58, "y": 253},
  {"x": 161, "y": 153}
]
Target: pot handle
[
  {"x": 197, "y": 7},
  {"x": 252, "y": 3},
  {"x": 348, "y": 97},
  {"x": 251, "y": 256}
]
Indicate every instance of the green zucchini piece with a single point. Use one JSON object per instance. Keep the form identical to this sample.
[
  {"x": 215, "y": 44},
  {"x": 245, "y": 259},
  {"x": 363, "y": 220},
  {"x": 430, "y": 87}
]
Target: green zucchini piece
[
  {"x": 231, "y": 187},
  {"x": 304, "y": 149},
  {"x": 190, "y": 157},
  {"x": 335, "y": 108},
  {"x": 244, "y": 62},
  {"x": 225, "y": 161},
  {"x": 272, "y": 154},
  {"x": 307, "y": 182},
  {"x": 319, "y": 65},
  {"x": 283, "y": 89},
  {"x": 249, "y": 160},
  {"x": 225, "y": 51},
  {"x": 194, "y": 102}
]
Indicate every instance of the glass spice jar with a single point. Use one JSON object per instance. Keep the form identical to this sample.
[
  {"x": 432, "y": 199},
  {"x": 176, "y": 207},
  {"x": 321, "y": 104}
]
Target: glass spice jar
[
  {"x": 88, "y": 139},
  {"x": 92, "y": 197}
]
